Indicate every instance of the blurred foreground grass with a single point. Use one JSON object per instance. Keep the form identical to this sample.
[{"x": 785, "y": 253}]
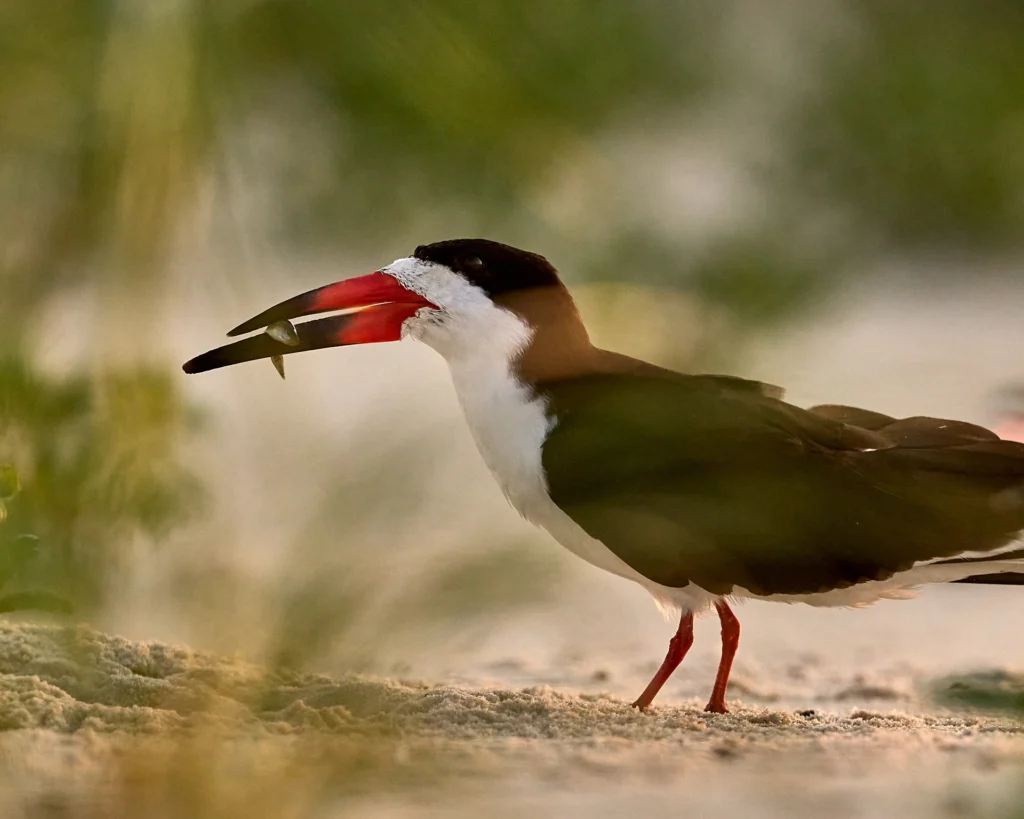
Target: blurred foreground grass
[{"x": 99, "y": 466}]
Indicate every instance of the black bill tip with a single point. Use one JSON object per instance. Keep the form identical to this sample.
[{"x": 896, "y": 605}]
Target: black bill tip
[{"x": 312, "y": 335}]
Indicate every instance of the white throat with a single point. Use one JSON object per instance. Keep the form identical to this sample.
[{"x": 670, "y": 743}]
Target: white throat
[
  {"x": 480, "y": 341},
  {"x": 507, "y": 420}
]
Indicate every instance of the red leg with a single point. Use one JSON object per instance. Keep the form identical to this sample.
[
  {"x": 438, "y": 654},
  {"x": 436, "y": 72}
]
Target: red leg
[
  {"x": 677, "y": 648},
  {"x": 730, "y": 642}
]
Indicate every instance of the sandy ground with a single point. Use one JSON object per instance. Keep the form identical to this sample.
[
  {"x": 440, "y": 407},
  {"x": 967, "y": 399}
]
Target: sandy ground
[{"x": 78, "y": 706}]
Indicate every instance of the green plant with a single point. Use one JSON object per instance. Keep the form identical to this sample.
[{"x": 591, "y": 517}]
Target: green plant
[
  {"x": 16, "y": 552},
  {"x": 101, "y": 458}
]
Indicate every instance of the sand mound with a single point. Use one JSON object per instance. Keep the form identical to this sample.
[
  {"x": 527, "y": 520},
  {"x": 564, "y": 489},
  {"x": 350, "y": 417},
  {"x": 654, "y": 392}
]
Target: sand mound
[
  {"x": 90, "y": 718},
  {"x": 69, "y": 679}
]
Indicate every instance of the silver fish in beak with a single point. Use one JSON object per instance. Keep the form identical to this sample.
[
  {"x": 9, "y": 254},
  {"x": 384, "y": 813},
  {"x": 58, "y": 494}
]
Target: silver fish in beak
[{"x": 284, "y": 332}]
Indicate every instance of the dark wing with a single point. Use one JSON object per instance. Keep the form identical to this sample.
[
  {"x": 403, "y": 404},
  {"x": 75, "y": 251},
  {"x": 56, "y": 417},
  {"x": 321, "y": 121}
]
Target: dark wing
[
  {"x": 698, "y": 479},
  {"x": 733, "y": 383},
  {"x": 919, "y": 431},
  {"x": 866, "y": 419}
]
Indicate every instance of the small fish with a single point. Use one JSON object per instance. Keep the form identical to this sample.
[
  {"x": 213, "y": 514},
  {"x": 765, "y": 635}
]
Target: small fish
[{"x": 285, "y": 332}]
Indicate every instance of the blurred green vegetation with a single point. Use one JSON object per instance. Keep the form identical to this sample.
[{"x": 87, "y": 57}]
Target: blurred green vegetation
[
  {"x": 916, "y": 126},
  {"x": 362, "y": 121},
  {"x": 99, "y": 466},
  {"x": 18, "y": 550},
  {"x": 357, "y": 115},
  {"x": 997, "y": 691}
]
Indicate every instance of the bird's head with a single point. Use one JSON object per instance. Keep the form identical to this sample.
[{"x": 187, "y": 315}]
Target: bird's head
[{"x": 457, "y": 296}]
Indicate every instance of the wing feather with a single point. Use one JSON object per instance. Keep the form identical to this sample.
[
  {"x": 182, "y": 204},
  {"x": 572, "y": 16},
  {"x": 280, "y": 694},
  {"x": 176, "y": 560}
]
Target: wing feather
[{"x": 702, "y": 480}]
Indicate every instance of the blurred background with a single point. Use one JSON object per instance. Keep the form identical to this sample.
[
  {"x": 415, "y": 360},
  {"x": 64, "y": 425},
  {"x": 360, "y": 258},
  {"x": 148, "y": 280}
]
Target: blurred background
[{"x": 823, "y": 194}]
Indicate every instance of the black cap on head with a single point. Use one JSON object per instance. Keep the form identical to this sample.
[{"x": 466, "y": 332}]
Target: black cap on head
[{"x": 493, "y": 267}]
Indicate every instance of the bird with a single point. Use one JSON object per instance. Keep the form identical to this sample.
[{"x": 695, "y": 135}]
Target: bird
[{"x": 707, "y": 490}]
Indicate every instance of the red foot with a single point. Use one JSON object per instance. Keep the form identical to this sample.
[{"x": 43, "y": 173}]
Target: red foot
[
  {"x": 677, "y": 648},
  {"x": 730, "y": 642},
  {"x": 680, "y": 644}
]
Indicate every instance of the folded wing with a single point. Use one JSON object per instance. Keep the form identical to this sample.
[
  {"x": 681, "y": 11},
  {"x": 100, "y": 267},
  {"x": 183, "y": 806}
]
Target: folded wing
[{"x": 699, "y": 479}]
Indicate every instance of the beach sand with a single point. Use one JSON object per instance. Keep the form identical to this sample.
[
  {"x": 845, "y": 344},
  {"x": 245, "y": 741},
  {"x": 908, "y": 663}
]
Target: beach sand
[{"x": 96, "y": 720}]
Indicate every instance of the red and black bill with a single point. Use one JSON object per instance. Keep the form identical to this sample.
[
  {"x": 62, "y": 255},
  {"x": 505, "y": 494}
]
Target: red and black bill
[{"x": 381, "y": 306}]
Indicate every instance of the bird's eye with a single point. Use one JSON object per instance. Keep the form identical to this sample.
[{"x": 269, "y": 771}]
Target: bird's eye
[{"x": 472, "y": 264}]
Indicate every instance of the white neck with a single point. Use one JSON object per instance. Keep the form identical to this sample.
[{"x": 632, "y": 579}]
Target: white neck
[
  {"x": 480, "y": 341},
  {"x": 507, "y": 420}
]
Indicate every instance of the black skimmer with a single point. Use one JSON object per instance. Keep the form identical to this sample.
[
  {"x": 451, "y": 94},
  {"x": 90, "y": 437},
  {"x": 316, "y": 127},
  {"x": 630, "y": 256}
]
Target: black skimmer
[{"x": 704, "y": 489}]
